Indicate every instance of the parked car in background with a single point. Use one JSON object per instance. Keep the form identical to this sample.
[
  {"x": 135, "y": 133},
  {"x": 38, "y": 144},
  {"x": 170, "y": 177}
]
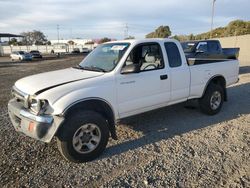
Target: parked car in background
[
  {"x": 76, "y": 51},
  {"x": 86, "y": 50},
  {"x": 21, "y": 56},
  {"x": 208, "y": 50},
  {"x": 60, "y": 48},
  {"x": 36, "y": 54}
]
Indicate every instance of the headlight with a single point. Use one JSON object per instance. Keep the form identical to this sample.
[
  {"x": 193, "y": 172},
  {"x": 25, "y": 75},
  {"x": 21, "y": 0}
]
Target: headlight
[{"x": 38, "y": 105}]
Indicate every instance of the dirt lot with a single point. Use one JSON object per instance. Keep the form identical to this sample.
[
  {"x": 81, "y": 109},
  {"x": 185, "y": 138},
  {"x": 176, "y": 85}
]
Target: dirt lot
[{"x": 173, "y": 146}]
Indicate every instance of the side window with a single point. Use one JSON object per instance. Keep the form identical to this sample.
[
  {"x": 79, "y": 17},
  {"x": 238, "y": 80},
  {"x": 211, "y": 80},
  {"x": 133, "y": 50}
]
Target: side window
[
  {"x": 202, "y": 46},
  {"x": 213, "y": 47},
  {"x": 148, "y": 56},
  {"x": 174, "y": 57}
]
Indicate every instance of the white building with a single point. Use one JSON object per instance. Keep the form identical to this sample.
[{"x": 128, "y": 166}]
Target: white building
[{"x": 76, "y": 41}]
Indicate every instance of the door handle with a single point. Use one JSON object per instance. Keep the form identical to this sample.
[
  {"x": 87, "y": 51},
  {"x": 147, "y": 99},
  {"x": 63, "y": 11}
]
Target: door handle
[{"x": 164, "y": 77}]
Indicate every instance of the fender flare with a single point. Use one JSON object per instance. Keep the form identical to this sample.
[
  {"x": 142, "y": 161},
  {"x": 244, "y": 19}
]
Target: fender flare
[
  {"x": 214, "y": 78},
  {"x": 104, "y": 108}
]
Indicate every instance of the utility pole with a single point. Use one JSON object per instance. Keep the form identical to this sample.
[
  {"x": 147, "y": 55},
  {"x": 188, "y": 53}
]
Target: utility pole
[
  {"x": 126, "y": 31},
  {"x": 212, "y": 20},
  {"x": 70, "y": 33},
  {"x": 57, "y": 27}
]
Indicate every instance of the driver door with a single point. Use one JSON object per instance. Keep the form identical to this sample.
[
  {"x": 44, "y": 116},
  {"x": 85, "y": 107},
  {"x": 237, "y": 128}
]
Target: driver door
[{"x": 148, "y": 89}]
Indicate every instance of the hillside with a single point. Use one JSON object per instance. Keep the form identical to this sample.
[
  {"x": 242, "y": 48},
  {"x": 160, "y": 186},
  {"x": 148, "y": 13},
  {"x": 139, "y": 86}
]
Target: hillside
[{"x": 234, "y": 28}]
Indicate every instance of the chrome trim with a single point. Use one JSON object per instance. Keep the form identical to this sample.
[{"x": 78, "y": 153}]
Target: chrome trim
[{"x": 40, "y": 119}]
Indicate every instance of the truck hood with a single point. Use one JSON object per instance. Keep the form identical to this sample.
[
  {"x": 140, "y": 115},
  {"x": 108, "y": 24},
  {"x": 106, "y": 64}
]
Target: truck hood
[{"x": 38, "y": 83}]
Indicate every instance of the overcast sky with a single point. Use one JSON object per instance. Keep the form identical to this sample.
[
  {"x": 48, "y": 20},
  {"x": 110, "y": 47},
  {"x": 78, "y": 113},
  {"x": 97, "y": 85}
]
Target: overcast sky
[{"x": 107, "y": 18}]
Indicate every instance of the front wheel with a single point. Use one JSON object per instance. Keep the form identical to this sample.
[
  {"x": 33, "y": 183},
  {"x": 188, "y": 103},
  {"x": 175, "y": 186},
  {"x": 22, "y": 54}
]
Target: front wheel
[
  {"x": 212, "y": 100},
  {"x": 83, "y": 137}
]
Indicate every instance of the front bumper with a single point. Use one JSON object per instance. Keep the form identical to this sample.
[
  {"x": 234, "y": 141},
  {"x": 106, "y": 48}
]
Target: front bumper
[{"x": 40, "y": 127}]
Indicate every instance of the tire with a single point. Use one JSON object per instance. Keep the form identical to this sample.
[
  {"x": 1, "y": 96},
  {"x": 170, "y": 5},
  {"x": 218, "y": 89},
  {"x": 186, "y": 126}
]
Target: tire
[
  {"x": 212, "y": 101},
  {"x": 74, "y": 136}
]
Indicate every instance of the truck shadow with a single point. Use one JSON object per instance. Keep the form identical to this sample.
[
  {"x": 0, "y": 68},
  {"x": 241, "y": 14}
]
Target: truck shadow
[
  {"x": 175, "y": 120},
  {"x": 244, "y": 70}
]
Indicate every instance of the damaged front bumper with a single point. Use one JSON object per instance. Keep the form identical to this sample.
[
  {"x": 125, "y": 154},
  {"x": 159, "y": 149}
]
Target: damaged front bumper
[{"x": 40, "y": 127}]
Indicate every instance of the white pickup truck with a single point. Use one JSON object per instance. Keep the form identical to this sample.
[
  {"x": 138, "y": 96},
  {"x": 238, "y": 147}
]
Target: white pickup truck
[{"x": 81, "y": 105}]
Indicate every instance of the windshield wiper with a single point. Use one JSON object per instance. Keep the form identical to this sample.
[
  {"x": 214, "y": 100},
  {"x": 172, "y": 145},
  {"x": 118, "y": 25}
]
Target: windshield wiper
[
  {"x": 94, "y": 68},
  {"x": 91, "y": 68},
  {"x": 77, "y": 67}
]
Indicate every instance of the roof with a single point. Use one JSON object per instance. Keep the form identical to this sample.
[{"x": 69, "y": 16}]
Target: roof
[
  {"x": 143, "y": 40},
  {"x": 9, "y": 35},
  {"x": 194, "y": 41}
]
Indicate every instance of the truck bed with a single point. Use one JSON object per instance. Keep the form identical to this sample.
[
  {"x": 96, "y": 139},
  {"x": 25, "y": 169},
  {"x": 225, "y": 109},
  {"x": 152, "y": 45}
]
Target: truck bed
[{"x": 201, "y": 73}]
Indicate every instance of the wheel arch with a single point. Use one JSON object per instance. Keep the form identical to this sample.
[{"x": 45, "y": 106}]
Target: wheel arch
[
  {"x": 219, "y": 80},
  {"x": 98, "y": 105}
]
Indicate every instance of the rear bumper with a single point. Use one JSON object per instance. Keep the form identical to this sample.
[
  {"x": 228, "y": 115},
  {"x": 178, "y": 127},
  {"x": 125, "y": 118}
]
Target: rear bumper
[{"x": 40, "y": 127}]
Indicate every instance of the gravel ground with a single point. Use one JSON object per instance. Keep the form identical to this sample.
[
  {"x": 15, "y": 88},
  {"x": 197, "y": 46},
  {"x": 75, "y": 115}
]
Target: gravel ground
[{"x": 170, "y": 147}]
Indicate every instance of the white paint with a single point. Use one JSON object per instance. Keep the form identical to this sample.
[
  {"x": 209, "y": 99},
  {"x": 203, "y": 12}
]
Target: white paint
[{"x": 129, "y": 94}]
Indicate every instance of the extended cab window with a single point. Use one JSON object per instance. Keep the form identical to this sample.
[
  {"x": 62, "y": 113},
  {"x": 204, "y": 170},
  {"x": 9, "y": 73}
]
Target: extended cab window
[
  {"x": 174, "y": 57},
  {"x": 148, "y": 56}
]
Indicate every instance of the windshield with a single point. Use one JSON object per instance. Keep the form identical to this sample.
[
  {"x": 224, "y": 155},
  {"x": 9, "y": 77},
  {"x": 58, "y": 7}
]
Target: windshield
[
  {"x": 105, "y": 57},
  {"x": 21, "y": 52},
  {"x": 188, "y": 46}
]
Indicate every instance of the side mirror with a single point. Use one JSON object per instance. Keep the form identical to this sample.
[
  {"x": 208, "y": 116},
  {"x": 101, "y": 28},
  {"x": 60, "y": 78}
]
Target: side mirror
[{"x": 128, "y": 69}]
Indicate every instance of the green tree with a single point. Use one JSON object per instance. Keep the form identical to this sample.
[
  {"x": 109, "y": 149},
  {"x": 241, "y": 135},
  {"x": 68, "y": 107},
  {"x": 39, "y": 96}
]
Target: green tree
[
  {"x": 238, "y": 27},
  {"x": 176, "y": 37},
  {"x": 13, "y": 41},
  {"x": 191, "y": 37},
  {"x": 103, "y": 40},
  {"x": 234, "y": 28},
  {"x": 34, "y": 37},
  {"x": 90, "y": 42},
  {"x": 160, "y": 32},
  {"x": 71, "y": 42},
  {"x": 130, "y": 37},
  {"x": 48, "y": 43}
]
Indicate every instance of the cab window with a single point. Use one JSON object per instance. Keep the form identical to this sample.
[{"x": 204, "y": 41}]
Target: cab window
[
  {"x": 213, "y": 47},
  {"x": 173, "y": 53},
  {"x": 148, "y": 56}
]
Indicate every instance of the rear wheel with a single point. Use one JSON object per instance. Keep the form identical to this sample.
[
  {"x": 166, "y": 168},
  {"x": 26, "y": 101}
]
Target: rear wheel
[
  {"x": 83, "y": 137},
  {"x": 212, "y": 100}
]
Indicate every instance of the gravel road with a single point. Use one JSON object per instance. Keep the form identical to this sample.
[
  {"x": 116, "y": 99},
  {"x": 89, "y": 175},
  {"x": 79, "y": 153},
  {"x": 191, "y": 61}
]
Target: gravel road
[{"x": 175, "y": 146}]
